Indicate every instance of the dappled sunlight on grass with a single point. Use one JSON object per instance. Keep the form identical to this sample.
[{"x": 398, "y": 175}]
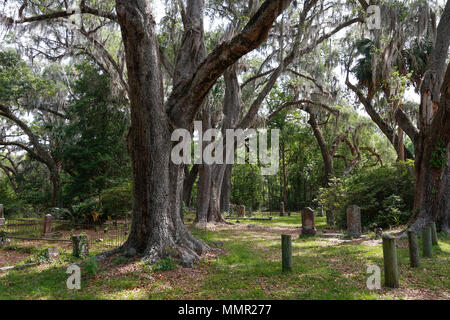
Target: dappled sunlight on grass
[{"x": 247, "y": 267}]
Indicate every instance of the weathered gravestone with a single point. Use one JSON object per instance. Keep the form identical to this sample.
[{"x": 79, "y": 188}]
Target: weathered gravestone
[
  {"x": 354, "y": 221},
  {"x": 52, "y": 253},
  {"x": 241, "y": 211},
  {"x": 308, "y": 223},
  {"x": 2, "y": 217},
  {"x": 80, "y": 245},
  {"x": 48, "y": 224},
  {"x": 282, "y": 212}
]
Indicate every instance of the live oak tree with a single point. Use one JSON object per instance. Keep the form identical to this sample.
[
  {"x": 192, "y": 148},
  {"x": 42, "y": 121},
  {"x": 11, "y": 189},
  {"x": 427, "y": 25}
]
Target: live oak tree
[
  {"x": 424, "y": 63},
  {"x": 157, "y": 229},
  {"x": 432, "y": 137},
  {"x": 19, "y": 87},
  {"x": 301, "y": 36}
]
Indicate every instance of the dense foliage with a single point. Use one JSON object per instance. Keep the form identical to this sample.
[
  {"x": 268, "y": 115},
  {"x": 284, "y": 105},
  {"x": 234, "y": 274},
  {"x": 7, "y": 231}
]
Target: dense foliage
[{"x": 385, "y": 196}]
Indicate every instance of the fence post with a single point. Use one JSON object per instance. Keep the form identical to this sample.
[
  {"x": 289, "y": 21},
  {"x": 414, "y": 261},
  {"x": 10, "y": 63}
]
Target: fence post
[
  {"x": 434, "y": 237},
  {"x": 48, "y": 224},
  {"x": 80, "y": 245},
  {"x": 413, "y": 249},
  {"x": 391, "y": 277},
  {"x": 427, "y": 242},
  {"x": 286, "y": 252},
  {"x": 2, "y": 217}
]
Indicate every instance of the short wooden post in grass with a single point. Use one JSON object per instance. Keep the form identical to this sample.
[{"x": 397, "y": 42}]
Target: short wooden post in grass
[
  {"x": 427, "y": 242},
  {"x": 414, "y": 258},
  {"x": 286, "y": 252},
  {"x": 391, "y": 277},
  {"x": 80, "y": 245},
  {"x": 434, "y": 237}
]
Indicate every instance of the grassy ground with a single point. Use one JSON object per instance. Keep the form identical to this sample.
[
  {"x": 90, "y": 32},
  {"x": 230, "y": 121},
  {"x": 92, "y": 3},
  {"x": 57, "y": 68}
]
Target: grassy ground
[{"x": 246, "y": 267}]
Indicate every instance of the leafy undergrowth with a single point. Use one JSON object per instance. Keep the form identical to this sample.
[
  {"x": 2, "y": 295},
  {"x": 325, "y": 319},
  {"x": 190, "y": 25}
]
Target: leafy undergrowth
[{"x": 247, "y": 266}]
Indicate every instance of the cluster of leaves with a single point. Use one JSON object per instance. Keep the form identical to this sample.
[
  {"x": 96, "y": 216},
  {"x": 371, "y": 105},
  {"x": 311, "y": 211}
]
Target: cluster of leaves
[
  {"x": 165, "y": 264},
  {"x": 439, "y": 156},
  {"x": 92, "y": 144},
  {"x": 385, "y": 195},
  {"x": 117, "y": 201},
  {"x": 91, "y": 267},
  {"x": 247, "y": 186}
]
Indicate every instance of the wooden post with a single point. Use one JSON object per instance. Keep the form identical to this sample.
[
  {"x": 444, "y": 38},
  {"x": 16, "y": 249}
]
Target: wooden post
[
  {"x": 434, "y": 237},
  {"x": 286, "y": 252},
  {"x": 413, "y": 249},
  {"x": 80, "y": 245},
  {"x": 391, "y": 277},
  {"x": 427, "y": 242}
]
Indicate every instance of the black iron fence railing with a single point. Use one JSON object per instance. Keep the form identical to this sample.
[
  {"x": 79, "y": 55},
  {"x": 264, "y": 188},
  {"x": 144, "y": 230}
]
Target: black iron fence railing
[{"x": 109, "y": 234}]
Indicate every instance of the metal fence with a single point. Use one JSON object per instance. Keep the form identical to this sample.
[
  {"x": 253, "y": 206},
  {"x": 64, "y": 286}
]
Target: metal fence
[{"x": 109, "y": 234}]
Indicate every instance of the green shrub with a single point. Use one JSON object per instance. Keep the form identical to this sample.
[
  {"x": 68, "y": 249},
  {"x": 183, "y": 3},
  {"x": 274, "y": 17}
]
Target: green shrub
[
  {"x": 385, "y": 195},
  {"x": 91, "y": 267},
  {"x": 89, "y": 211},
  {"x": 117, "y": 202},
  {"x": 166, "y": 264}
]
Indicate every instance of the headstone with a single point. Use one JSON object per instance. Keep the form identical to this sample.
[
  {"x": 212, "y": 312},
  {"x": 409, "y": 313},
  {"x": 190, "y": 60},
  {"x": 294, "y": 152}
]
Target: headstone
[
  {"x": 80, "y": 245},
  {"x": 52, "y": 253},
  {"x": 308, "y": 223},
  {"x": 354, "y": 221},
  {"x": 282, "y": 212},
  {"x": 2, "y": 217},
  {"x": 48, "y": 224},
  {"x": 241, "y": 211}
]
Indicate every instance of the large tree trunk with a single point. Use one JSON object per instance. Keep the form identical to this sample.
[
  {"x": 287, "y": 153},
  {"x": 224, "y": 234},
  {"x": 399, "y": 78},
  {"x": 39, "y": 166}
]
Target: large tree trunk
[
  {"x": 226, "y": 190},
  {"x": 231, "y": 110},
  {"x": 56, "y": 188},
  {"x": 326, "y": 155},
  {"x": 157, "y": 229},
  {"x": 189, "y": 182},
  {"x": 433, "y": 139},
  {"x": 283, "y": 154},
  {"x": 444, "y": 215},
  {"x": 432, "y": 195}
]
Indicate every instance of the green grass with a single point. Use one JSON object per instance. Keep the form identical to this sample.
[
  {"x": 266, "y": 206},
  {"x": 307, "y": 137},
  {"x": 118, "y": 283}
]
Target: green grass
[{"x": 250, "y": 269}]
